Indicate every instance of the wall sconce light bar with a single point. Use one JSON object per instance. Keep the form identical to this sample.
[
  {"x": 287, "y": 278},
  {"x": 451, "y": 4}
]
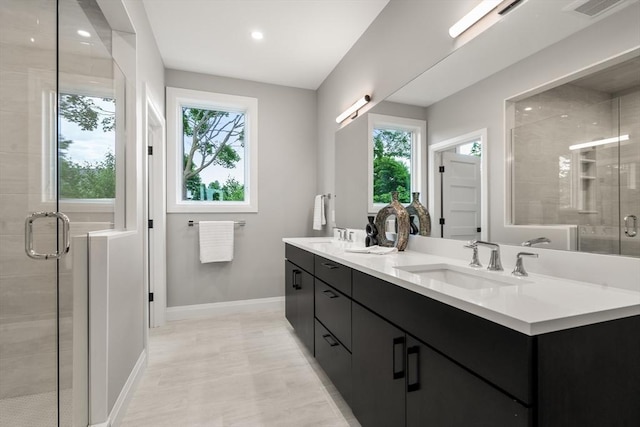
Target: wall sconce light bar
[
  {"x": 599, "y": 142},
  {"x": 353, "y": 110},
  {"x": 476, "y": 14}
]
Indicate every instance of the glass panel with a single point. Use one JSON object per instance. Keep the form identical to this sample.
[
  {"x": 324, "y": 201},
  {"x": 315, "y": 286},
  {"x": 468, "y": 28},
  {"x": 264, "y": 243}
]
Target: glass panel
[
  {"x": 391, "y": 164},
  {"x": 566, "y": 171},
  {"x": 28, "y": 321},
  {"x": 88, "y": 107},
  {"x": 214, "y": 155},
  {"x": 630, "y": 174}
]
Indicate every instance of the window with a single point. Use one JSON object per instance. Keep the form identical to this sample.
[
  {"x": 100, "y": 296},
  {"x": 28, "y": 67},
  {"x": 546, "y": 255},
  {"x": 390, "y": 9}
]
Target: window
[
  {"x": 212, "y": 152},
  {"x": 86, "y": 147},
  {"x": 395, "y": 159}
]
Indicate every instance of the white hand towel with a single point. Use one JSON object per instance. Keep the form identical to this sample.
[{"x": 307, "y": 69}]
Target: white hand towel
[
  {"x": 318, "y": 213},
  {"x": 216, "y": 241}
]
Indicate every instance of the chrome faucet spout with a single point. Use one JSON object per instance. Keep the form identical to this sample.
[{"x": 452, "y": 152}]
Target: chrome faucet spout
[
  {"x": 494, "y": 262},
  {"x": 536, "y": 241}
]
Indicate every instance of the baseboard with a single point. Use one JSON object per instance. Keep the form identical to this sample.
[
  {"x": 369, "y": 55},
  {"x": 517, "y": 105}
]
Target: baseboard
[
  {"x": 120, "y": 407},
  {"x": 229, "y": 307}
]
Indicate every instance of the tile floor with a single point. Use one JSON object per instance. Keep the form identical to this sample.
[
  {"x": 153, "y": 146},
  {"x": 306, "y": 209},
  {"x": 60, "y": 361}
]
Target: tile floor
[{"x": 245, "y": 370}]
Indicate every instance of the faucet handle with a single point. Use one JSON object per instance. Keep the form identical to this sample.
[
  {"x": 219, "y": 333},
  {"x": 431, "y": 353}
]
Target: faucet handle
[
  {"x": 519, "y": 268},
  {"x": 475, "y": 261}
]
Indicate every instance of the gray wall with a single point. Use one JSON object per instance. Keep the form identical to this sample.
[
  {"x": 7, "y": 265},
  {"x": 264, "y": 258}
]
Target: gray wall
[
  {"x": 287, "y": 184},
  {"x": 406, "y": 38},
  {"x": 461, "y": 112}
]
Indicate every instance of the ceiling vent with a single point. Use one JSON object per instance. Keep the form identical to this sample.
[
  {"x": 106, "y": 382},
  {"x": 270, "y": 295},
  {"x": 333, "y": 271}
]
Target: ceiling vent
[{"x": 594, "y": 8}]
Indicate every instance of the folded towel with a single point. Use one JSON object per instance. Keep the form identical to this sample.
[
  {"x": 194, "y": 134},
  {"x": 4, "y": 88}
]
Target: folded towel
[
  {"x": 318, "y": 213},
  {"x": 216, "y": 241},
  {"x": 377, "y": 250}
]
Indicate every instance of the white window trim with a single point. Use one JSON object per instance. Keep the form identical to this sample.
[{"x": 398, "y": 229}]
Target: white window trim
[
  {"x": 176, "y": 98},
  {"x": 79, "y": 85},
  {"x": 418, "y": 151}
]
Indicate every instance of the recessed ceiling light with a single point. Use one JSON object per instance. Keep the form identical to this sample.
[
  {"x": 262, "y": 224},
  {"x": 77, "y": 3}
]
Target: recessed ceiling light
[
  {"x": 257, "y": 35},
  {"x": 32, "y": 40},
  {"x": 528, "y": 109},
  {"x": 83, "y": 33}
]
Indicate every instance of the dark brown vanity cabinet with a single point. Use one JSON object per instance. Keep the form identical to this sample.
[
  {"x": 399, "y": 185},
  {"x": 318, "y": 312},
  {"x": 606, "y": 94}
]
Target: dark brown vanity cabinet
[{"x": 299, "y": 294}]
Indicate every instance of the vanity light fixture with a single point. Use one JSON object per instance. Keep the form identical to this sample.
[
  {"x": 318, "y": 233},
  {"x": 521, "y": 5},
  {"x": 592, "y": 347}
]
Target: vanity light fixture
[
  {"x": 599, "y": 142},
  {"x": 353, "y": 110},
  {"x": 476, "y": 14}
]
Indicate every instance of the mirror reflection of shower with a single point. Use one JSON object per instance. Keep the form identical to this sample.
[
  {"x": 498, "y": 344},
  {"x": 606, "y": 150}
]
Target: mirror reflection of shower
[{"x": 576, "y": 159}]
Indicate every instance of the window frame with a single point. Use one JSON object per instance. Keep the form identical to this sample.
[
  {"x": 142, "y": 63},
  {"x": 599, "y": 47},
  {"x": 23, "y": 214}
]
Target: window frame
[
  {"x": 177, "y": 98},
  {"x": 418, "y": 128}
]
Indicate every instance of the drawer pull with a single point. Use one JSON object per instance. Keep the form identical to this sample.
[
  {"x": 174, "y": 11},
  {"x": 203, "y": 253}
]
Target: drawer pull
[
  {"x": 332, "y": 342},
  {"x": 329, "y": 265},
  {"x": 415, "y": 353},
  {"x": 330, "y": 294},
  {"x": 397, "y": 374},
  {"x": 296, "y": 274}
]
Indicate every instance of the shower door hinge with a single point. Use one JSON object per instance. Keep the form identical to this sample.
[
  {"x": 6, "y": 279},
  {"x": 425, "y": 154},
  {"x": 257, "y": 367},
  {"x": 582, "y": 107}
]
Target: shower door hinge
[
  {"x": 441, "y": 221},
  {"x": 150, "y": 223},
  {"x": 441, "y": 169},
  {"x": 150, "y": 150},
  {"x": 150, "y": 296}
]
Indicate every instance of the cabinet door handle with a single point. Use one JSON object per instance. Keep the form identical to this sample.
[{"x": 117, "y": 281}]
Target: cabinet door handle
[
  {"x": 398, "y": 355},
  {"x": 330, "y": 294},
  {"x": 413, "y": 352},
  {"x": 329, "y": 265},
  {"x": 328, "y": 338},
  {"x": 296, "y": 274}
]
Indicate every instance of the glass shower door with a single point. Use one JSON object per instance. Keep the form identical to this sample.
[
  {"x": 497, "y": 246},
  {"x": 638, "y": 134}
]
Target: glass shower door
[
  {"x": 629, "y": 111},
  {"x": 29, "y": 298}
]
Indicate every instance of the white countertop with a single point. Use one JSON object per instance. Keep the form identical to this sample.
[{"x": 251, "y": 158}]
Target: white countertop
[{"x": 537, "y": 304}]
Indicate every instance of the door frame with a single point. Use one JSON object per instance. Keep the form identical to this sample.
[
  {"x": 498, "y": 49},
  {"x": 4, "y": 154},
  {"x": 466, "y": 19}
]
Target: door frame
[
  {"x": 155, "y": 254},
  {"x": 434, "y": 176}
]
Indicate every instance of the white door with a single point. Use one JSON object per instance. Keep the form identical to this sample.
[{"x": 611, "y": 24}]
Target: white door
[{"x": 460, "y": 196}]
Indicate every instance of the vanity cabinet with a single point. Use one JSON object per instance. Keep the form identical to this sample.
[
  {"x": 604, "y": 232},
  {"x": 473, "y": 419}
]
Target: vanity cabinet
[
  {"x": 399, "y": 380},
  {"x": 400, "y": 358},
  {"x": 299, "y": 289}
]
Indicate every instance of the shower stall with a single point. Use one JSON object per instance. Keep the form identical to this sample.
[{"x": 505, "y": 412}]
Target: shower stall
[
  {"x": 576, "y": 160},
  {"x": 61, "y": 155}
]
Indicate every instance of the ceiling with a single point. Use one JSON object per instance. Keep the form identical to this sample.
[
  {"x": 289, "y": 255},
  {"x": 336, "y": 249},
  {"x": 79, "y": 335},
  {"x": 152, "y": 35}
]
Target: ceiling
[{"x": 303, "y": 39}]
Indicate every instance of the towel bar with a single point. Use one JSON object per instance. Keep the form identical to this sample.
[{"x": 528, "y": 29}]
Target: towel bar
[{"x": 241, "y": 223}]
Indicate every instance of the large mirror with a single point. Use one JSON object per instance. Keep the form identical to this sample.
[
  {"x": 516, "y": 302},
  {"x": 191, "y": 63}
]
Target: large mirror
[{"x": 519, "y": 96}]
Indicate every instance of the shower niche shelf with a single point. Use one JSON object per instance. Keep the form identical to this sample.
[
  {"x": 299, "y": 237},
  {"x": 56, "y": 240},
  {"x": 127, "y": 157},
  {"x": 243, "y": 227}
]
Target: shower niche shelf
[{"x": 587, "y": 184}]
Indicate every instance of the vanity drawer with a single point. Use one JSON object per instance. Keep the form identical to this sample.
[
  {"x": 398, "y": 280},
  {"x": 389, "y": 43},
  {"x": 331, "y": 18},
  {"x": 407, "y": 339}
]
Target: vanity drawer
[
  {"x": 333, "y": 273},
  {"x": 334, "y": 359},
  {"x": 299, "y": 257},
  {"x": 498, "y": 354},
  {"x": 333, "y": 309}
]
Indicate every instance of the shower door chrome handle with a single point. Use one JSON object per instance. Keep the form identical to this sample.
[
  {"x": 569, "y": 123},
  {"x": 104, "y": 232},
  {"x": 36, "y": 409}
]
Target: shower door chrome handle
[
  {"x": 28, "y": 235},
  {"x": 633, "y": 230}
]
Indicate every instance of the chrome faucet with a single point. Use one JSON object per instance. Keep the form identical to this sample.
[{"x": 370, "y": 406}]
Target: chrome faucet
[
  {"x": 475, "y": 262},
  {"x": 494, "y": 262},
  {"x": 536, "y": 241},
  {"x": 342, "y": 233},
  {"x": 519, "y": 269}
]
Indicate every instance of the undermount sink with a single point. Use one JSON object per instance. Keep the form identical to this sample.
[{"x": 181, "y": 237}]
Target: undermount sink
[{"x": 462, "y": 277}]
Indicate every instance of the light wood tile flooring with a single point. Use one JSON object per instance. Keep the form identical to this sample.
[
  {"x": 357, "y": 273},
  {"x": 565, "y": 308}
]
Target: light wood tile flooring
[{"x": 244, "y": 370}]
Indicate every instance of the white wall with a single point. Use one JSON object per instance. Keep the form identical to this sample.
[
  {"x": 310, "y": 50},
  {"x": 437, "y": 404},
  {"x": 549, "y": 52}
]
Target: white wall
[
  {"x": 406, "y": 38},
  {"x": 286, "y": 181},
  {"x": 482, "y": 105}
]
